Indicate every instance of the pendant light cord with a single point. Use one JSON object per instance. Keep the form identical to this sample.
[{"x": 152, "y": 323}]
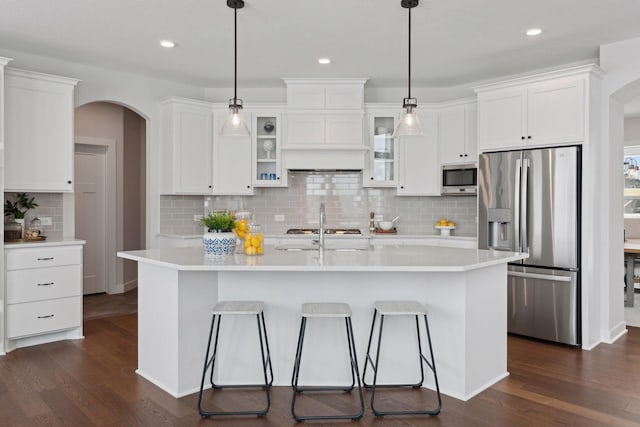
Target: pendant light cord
[
  {"x": 235, "y": 54},
  {"x": 409, "y": 80}
]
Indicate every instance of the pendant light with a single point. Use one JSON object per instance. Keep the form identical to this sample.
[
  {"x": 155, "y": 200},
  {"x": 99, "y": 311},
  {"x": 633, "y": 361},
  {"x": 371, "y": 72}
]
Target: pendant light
[
  {"x": 235, "y": 124},
  {"x": 409, "y": 124}
]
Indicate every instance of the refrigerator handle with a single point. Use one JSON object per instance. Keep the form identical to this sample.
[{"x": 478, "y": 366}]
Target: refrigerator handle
[
  {"x": 516, "y": 206},
  {"x": 525, "y": 208}
]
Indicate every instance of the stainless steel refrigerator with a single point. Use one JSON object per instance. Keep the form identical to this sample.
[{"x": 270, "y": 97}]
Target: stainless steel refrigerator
[{"x": 529, "y": 201}]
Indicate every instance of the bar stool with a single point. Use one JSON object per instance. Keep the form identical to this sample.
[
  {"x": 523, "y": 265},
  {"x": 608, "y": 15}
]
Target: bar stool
[
  {"x": 400, "y": 308},
  {"x": 250, "y": 308},
  {"x": 326, "y": 310}
]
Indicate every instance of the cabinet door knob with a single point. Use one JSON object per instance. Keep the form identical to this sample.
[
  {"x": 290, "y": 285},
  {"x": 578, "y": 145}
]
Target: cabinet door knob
[
  {"x": 402, "y": 186},
  {"x": 466, "y": 155},
  {"x": 371, "y": 178},
  {"x": 248, "y": 186},
  {"x": 278, "y": 178},
  {"x": 211, "y": 186},
  {"x": 529, "y": 137},
  {"x": 459, "y": 155},
  {"x": 522, "y": 137},
  {"x": 68, "y": 182}
]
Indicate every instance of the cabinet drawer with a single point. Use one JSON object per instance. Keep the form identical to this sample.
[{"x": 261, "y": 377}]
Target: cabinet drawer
[
  {"x": 43, "y": 283},
  {"x": 43, "y": 257},
  {"x": 43, "y": 317}
]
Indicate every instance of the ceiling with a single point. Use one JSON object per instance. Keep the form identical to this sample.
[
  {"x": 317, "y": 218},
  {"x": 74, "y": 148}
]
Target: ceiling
[{"x": 455, "y": 42}]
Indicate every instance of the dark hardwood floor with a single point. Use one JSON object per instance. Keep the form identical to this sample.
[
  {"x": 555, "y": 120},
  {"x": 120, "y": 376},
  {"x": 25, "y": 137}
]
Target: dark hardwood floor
[
  {"x": 92, "y": 382},
  {"x": 104, "y": 305}
]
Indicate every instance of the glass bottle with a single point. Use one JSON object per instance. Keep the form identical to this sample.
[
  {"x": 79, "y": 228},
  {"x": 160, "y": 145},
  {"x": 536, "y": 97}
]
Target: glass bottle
[
  {"x": 254, "y": 240},
  {"x": 12, "y": 230}
]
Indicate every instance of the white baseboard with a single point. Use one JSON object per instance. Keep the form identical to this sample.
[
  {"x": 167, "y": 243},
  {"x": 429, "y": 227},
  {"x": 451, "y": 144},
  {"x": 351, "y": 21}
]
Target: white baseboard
[
  {"x": 616, "y": 332},
  {"x": 124, "y": 287}
]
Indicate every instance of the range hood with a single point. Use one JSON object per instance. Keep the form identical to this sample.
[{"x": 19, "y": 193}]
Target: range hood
[{"x": 324, "y": 124}]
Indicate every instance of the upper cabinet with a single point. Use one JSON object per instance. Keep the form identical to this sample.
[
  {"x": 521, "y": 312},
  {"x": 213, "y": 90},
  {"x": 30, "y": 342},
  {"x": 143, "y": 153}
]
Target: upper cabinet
[
  {"x": 418, "y": 162},
  {"x": 232, "y": 160},
  {"x": 381, "y": 167},
  {"x": 548, "y": 109},
  {"x": 38, "y": 132},
  {"x": 186, "y": 137},
  {"x": 266, "y": 134},
  {"x": 196, "y": 159},
  {"x": 325, "y": 94},
  {"x": 457, "y": 139}
]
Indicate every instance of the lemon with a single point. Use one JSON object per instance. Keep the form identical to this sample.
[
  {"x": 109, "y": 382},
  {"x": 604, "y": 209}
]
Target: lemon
[
  {"x": 259, "y": 250},
  {"x": 451, "y": 224},
  {"x": 255, "y": 242},
  {"x": 250, "y": 250}
]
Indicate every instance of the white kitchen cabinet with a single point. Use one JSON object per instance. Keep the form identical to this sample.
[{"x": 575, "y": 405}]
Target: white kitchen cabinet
[
  {"x": 187, "y": 146},
  {"x": 457, "y": 134},
  {"x": 418, "y": 161},
  {"x": 329, "y": 94},
  {"x": 381, "y": 166},
  {"x": 547, "y": 112},
  {"x": 267, "y": 149},
  {"x": 232, "y": 160},
  {"x": 324, "y": 130},
  {"x": 43, "y": 293},
  {"x": 39, "y": 115}
]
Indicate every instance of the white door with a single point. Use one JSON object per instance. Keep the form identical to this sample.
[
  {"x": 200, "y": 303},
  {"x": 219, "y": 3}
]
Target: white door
[{"x": 91, "y": 204}]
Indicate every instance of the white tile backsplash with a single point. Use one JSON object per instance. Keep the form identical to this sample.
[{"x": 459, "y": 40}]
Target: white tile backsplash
[
  {"x": 49, "y": 205},
  {"x": 347, "y": 205}
]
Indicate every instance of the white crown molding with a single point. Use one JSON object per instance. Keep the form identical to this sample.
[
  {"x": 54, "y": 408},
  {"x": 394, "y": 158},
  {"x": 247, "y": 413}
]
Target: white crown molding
[{"x": 16, "y": 72}]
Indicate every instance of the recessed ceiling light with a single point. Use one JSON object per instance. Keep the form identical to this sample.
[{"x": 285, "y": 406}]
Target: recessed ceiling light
[
  {"x": 534, "y": 31},
  {"x": 324, "y": 61},
  {"x": 167, "y": 43}
]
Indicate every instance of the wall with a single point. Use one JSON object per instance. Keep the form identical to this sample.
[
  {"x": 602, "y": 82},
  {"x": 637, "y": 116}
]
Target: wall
[
  {"x": 622, "y": 64},
  {"x": 133, "y": 197},
  {"x": 347, "y": 205},
  {"x": 632, "y": 131}
]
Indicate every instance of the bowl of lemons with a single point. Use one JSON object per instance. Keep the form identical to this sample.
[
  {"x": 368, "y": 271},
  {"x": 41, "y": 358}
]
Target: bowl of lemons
[{"x": 445, "y": 226}]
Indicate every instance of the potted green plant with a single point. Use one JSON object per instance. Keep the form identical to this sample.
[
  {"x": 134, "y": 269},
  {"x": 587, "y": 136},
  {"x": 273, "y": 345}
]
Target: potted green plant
[
  {"x": 219, "y": 238},
  {"x": 20, "y": 207},
  {"x": 17, "y": 210}
]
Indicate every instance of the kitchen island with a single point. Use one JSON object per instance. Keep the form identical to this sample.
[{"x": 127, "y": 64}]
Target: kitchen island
[{"x": 465, "y": 291}]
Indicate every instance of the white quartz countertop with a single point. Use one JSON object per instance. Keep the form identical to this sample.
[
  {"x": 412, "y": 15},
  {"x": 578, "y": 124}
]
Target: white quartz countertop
[
  {"x": 42, "y": 243},
  {"x": 407, "y": 258}
]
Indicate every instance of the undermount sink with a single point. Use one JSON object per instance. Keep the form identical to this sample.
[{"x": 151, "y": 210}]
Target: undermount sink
[{"x": 329, "y": 245}]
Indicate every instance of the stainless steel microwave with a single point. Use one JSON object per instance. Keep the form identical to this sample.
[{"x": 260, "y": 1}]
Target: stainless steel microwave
[{"x": 460, "y": 179}]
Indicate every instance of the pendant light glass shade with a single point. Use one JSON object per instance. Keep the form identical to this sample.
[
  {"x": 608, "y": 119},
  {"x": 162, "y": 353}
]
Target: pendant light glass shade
[
  {"x": 409, "y": 124},
  {"x": 235, "y": 124}
]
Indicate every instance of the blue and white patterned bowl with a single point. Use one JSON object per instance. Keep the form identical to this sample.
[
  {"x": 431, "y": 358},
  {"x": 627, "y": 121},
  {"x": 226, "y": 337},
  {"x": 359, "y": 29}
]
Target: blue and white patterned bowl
[{"x": 217, "y": 244}]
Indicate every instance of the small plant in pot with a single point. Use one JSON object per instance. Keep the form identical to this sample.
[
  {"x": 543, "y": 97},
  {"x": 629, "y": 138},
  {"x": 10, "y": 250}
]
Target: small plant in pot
[
  {"x": 15, "y": 212},
  {"x": 219, "y": 238}
]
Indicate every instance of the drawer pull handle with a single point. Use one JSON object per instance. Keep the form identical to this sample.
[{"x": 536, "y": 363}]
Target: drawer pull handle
[
  {"x": 45, "y": 284},
  {"x": 49, "y": 258},
  {"x": 45, "y": 317}
]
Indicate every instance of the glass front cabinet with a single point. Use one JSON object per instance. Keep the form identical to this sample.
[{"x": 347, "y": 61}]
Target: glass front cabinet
[
  {"x": 267, "y": 166},
  {"x": 381, "y": 167}
]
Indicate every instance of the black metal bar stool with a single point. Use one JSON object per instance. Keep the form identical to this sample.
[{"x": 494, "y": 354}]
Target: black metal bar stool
[
  {"x": 319, "y": 310},
  {"x": 400, "y": 308},
  {"x": 250, "y": 308}
]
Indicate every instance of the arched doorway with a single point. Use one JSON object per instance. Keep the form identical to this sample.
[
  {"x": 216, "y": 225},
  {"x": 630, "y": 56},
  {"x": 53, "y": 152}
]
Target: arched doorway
[{"x": 110, "y": 192}]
